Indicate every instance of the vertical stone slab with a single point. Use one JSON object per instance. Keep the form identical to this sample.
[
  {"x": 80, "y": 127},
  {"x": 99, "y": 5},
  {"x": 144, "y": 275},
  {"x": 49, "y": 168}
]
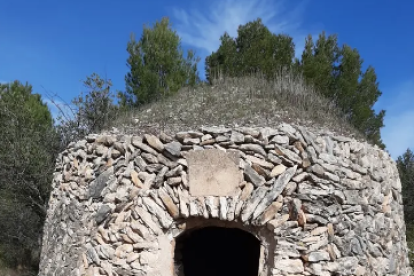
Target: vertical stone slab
[{"x": 165, "y": 259}]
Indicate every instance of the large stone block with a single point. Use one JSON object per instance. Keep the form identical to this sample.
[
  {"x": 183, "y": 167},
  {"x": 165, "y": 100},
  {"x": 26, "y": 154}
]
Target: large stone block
[{"x": 213, "y": 172}]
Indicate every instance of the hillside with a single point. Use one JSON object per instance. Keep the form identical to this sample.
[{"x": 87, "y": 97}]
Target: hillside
[{"x": 237, "y": 102}]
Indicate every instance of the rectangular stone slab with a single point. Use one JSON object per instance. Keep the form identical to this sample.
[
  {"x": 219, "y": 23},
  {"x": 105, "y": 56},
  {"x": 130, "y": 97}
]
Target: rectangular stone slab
[{"x": 213, "y": 172}]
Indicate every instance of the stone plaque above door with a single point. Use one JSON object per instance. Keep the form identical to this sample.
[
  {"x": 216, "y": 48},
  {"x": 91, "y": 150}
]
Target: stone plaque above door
[{"x": 213, "y": 172}]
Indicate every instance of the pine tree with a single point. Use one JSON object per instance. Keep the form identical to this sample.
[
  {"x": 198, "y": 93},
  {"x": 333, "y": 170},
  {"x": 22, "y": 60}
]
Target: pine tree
[
  {"x": 255, "y": 51},
  {"x": 224, "y": 61},
  {"x": 365, "y": 118},
  {"x": 336, "y": 73},
  {"x": 319, "y": 62},
  {"x": 345, "y": 94},
  {"x": 405, "y": 164},
  {"x": 254, "y": 47},
  {"x": 28, "y": 148},
  {"x": 157, "y": 65}
]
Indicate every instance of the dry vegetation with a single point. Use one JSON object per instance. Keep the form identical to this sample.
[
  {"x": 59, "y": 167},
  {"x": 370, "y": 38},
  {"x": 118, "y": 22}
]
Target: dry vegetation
[
  {"x": 243, "y": 101},
  {"x": 410, "y": 241}
]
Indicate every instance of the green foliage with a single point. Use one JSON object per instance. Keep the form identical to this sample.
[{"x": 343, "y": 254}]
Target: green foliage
[
  {"x": 92, "y": 110},
  {"x": 254, "y": 51},
  {"x": 333, "y": 71},
  {"x": 336, "y": 73},
  {"x": 95, "y": 108},
  {"x": 319, "y": 61},
  {"x": 410, "y": 241},
  {"x": 157, "y": 65},
  {"x": 28, "y": 150},
  {"x": 405, "y": 165}
]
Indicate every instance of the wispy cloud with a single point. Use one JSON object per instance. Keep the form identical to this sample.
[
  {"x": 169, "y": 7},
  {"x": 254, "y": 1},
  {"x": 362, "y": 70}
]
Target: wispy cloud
[
  {"x": 3, "y": 81},
  {"x": 203, "y": 29},
  {"x": 398, "y": 133}
]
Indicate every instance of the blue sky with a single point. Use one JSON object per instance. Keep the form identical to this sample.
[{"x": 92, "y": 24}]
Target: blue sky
[{"x": 55, "y": 44}]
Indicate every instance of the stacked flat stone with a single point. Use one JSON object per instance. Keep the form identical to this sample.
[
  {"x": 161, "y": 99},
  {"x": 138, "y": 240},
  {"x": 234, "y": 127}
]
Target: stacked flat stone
[{"x": 332, "y": 205}]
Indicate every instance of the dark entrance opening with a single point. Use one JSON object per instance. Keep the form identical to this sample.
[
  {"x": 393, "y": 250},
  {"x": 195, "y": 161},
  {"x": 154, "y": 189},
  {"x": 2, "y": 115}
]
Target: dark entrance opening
[{"x": 216, "y": 251}]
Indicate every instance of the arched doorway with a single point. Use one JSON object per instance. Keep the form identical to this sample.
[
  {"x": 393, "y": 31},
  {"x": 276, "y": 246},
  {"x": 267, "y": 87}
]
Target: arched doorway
[{"x": 217, "y": 251}]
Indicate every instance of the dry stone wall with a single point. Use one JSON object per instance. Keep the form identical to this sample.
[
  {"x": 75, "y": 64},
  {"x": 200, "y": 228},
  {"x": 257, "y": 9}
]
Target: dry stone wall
[{"x": 319, "y": 204}]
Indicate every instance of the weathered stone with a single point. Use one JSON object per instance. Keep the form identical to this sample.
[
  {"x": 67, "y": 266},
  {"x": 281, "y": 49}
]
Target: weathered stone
[
  {"x": 252, "y": 176},
  {"x": 301, "y": 218},
  {"x": 193, "y": 208},
  {"x": 163, "y": 218},
  {"x": 212, "y": 205},
  {"x": 251, "y": 205},
  {"x": 146, "y": 217},
  {"x": 261, "y": 171},
  {"x": 183, "y": 204},
  {"x": 148, "y": 258},
  {"x": 97, "y": 186},
  {"x": 294, "y": 208},
  {"x": 236, "y": 137},
  {"x": 144, "y": 147},
  {"x": 289, "y": 189},
  {"x": 173, "y": 148},
  {"x": 173, "y": 181},
  {"x": 215, "y": 130},
  {"x": 317, "y": 256},
  {"x": 253, "y": 147},
  {"x": 191, "y": 141},
  {"x": 270, "y": 212},
  {"x": 107, "y": 140},
  {"x": 135, "y": 179},
  {"x": 292, "y": 156},
  {"x": 290, "y": 266},
  {"x": 132, "y": 257},
  {"x": 249, "y": 131},
  {"x": 319, "y": 230},
  {"x": 279, "y": 169},
  {"x": 175, "y": 171},
  {"x": 140, "y": 162},
  {"x": 280, "y": 139},
  {"x": 133, "y": 236},
  {"x": 149, "y": 158},
  {"x": 318, "y": 170},
  {"x": 213, "y": 172},
  {"x": 352, "y": 197},
  {"x": 93, "y": 255},
  {"x": 274, "y": 159},
  {"x": 115, "y": 153},
  {"x": 102, "y": 213},
  {"x": 149, "y": 180},
  {"x": 259, "y": 161},
  {"x": 154, "y": 142},
  {"x": 169, "y": 204},
  {"x": 278, "y": 186},
  {"x": 333, "y": 251},
  {"x": 223, "y": 208},
  {"x": 159, "y": 179}
]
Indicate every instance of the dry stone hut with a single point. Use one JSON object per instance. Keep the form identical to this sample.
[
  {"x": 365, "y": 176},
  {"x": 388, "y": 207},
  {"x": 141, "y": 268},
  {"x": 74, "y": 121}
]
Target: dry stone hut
[{"x": 225, "y": 201}]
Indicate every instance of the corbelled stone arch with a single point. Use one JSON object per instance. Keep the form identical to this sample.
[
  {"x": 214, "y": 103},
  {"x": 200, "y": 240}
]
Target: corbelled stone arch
[
  {"x": 264, "y": 240},
  {"x": 214, "y": 247}
]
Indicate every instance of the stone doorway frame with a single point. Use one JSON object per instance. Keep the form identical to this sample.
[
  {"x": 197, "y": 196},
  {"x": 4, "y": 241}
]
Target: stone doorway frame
[{"x": 265, "y": 237}]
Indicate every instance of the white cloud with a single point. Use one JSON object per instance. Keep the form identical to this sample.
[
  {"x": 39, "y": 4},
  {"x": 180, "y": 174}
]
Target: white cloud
[
  {"x": 203, "y": 29},
  {"x": 3, "y": 81},
  {"x": 398, "y": 133}
]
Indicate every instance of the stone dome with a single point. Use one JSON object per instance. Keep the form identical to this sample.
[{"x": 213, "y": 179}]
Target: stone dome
[{"x": 219, "y": 201}]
